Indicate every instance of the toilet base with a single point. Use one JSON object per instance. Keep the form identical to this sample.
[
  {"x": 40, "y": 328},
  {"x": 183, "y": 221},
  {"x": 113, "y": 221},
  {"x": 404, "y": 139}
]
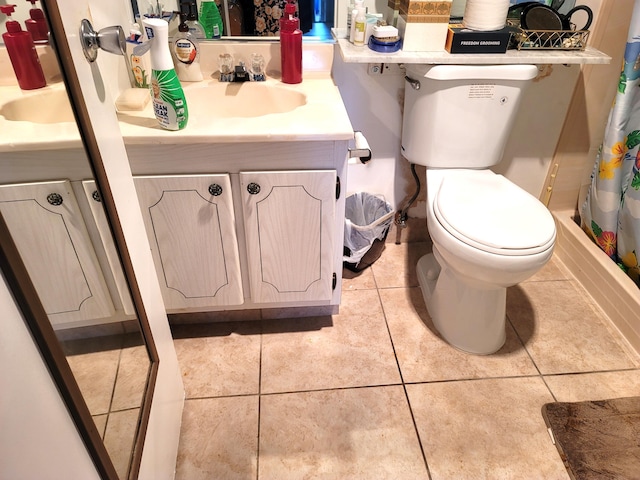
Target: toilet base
[{"x": 469, "y": 317}]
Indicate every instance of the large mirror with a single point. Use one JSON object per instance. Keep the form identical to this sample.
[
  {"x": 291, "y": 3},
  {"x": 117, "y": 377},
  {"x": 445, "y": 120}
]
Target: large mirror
[
  {"x": 255, "y": 18},
  {"x": 52, "y": 202}
]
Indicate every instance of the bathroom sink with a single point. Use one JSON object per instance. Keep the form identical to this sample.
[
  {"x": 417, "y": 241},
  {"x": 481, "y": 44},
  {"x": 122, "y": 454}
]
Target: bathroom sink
[
  {"x": 29, "y": 108},
  {"x": 250, "y": 99}
]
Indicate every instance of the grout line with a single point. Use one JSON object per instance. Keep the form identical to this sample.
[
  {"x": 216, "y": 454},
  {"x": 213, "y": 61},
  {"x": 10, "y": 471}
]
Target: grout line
[
  {"x": 259, "y": 401},
  {"x": 540, "y": 375},
  {"x": 404, "y": 387}
]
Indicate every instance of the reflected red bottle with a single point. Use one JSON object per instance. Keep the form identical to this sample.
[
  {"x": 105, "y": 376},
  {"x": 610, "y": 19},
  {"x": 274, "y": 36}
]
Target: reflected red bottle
[
  {"x": 22, "y": 53},
  {"x": 290, "y": 45},
  {"x": 37, "y": 25}
]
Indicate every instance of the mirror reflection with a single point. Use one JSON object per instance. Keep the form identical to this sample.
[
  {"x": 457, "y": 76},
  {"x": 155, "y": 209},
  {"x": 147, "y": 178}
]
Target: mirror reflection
[
  {"x": 253, "y": 18},
  {"x": 53, "y": 208}
]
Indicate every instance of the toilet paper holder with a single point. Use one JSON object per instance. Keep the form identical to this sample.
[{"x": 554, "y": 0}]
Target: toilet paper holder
[{"x": 362, "y": 151}]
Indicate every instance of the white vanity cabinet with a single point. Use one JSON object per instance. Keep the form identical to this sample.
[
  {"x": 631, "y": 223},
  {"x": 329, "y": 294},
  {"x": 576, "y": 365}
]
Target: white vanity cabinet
[
  {"x": 191, "y": 227},
  {"x": 57, "y": 250},
  {"x": 246, "y": 225},
  {"x": 287, "y": 218}
]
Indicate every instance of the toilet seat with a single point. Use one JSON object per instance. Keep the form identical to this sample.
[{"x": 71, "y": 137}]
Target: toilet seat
[{"x": 488, "y": 212}]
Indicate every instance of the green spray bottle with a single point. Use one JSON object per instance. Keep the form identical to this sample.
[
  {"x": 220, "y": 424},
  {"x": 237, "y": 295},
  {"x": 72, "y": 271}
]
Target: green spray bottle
[{"x": 167, "y": 95}]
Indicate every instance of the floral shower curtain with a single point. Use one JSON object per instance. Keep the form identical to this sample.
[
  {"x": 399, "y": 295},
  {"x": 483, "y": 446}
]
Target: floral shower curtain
[{"x": 611, "y": 212}]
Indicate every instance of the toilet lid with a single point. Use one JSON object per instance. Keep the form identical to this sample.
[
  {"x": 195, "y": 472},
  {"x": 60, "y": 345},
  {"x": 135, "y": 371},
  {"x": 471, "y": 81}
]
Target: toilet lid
[{"x": 489, "y": 212}]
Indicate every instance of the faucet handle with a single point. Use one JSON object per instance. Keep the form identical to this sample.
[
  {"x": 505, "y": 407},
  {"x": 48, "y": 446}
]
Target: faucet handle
[
  {"x": 225, "y": 63},
  {"x": 256, "y": 71}
]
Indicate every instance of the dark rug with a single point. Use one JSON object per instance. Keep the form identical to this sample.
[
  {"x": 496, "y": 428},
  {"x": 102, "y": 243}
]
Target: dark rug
[{"x": 598, "y": 439}]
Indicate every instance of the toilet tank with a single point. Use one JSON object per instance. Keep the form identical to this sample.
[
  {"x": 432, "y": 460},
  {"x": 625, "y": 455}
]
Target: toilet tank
[{"x": 460, "y": 116}]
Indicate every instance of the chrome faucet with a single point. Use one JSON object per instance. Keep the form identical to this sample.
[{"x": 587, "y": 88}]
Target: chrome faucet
[{"x": 240, "y": 73}]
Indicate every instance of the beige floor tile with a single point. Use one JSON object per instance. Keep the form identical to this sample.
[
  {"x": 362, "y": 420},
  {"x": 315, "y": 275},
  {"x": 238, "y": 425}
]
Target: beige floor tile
[
  {"x": 96, "y": 375},
  {"x": 119, "y": 437},
  {"x": 486, "y": 429},
  {"x": 132, "y": 378},
  {"x": 363, "y": 433},
  {"x": 346, "y": 350},
  {"x": 218, "y": 439},
  {"x": 424, "y": 356},
  {"x": 562, "y": 331},
  {"x": 553, "y": 270},
  {"x": 397, "y": 265},
  {"x": 358, "y": 281},
  {"x": 101, "y": 423},
  {"x": 594, "y": 386},
  {"x": 219, "y": 359}
]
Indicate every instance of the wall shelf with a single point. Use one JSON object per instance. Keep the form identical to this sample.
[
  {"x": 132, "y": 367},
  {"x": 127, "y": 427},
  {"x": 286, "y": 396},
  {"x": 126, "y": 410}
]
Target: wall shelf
[{"x": 352, "y": 54}]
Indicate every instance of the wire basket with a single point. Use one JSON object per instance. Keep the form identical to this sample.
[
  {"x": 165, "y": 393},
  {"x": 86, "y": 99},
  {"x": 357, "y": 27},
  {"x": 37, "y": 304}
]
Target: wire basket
[{"x": 551, "y": 39}]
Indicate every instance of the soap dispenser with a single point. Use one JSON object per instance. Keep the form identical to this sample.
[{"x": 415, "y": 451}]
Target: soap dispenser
[
  {"x": 210, "y": 19},
  {"x": 290, "y": 45},
  {"x": 37, "y": 25},
  {"x": 185, "y": 51},
  {"x": 22, "y": 53},
  {"x": 190, "y": 9}
]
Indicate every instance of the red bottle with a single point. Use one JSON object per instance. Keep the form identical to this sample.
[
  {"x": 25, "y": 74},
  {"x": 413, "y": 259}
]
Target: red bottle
[
  {"x": 22, "y": 53},
  {"x": 290, "y": 45},
  {"x": 37, "y": 25}
]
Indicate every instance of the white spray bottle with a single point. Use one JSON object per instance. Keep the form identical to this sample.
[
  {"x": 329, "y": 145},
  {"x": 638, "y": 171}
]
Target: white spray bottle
[{"x": 169, "y": 102}]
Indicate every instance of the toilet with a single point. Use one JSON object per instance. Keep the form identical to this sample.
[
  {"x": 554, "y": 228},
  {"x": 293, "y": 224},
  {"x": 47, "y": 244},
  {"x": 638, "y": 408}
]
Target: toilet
[{"x": 487, "y": 233}]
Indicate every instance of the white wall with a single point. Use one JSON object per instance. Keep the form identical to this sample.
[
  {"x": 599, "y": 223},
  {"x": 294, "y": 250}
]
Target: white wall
[{"x": 39, "y": 438}]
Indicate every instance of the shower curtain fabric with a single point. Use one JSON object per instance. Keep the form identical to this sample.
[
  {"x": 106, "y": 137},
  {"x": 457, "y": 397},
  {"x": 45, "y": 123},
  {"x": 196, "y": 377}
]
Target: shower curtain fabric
[{"x": 611, "y": 212}]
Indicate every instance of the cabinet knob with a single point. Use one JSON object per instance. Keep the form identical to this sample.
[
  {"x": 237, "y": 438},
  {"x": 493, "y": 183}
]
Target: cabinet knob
[
  {"x": 54, "y": 199},
  {"x": 253, "y": 188},
  {"x": 215, "y": 189},
  {"x": 96, "y": 196}
]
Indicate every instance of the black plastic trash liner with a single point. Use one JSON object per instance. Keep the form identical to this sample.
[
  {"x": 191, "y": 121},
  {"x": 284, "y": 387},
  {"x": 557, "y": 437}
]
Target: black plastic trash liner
[{"x": 367, "y": 221}]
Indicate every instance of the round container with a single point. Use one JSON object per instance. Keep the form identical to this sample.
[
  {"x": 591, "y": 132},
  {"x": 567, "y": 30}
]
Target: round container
[
  {"x": 485, "y": 15},
  {"x": 384, "y": 47}
]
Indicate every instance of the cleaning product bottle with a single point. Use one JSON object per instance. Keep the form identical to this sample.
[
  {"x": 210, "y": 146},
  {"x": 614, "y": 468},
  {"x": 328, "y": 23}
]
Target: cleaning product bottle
[
  {"x": 169, "y": 102},
  {"x": 190, "y": 8},
  {"x": 354, "y": 14},
  {"x": 37, "y": 25},
  {"x": 360, "y": 27},
  {"x": 22, "y": 53},
  {"x": 210, "y": 19},
  {"x": 185, "y": 50},
  {"x": 290, "y": 45}
]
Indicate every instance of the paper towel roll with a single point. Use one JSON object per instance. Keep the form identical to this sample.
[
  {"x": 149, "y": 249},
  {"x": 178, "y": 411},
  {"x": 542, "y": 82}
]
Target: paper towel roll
[{"x": 485, "y": 15}]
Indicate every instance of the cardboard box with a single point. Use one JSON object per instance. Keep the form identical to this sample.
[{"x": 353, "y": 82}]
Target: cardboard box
[
  {"x": 463, "y": 40},
  {"x": 423, "y": 25}
]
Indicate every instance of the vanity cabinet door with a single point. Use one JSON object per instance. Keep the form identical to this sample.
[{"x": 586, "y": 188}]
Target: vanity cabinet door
[
  {"x": 289, "y": 220},
  {"x": 191, "y": 227},
  {"x": 51, "y": 236},
  {"x": 108, "y": 244}
]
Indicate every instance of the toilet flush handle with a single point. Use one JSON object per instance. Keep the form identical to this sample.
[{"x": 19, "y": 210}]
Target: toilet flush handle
[{"x": 415, "y": 84}]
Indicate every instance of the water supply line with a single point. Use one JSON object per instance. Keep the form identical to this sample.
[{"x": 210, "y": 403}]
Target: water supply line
[{"x": 401, "y": 216}]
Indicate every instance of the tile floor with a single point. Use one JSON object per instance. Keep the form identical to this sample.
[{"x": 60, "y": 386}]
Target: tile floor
[{"x": 374, "y": 393}]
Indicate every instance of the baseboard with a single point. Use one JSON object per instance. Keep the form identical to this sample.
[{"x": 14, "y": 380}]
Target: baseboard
[{"x": 615, "y": 293}]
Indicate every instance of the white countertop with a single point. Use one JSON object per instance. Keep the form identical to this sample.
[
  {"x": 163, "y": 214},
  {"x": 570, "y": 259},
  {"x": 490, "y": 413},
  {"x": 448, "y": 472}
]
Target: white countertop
[{"x": 322, "y": 117}]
